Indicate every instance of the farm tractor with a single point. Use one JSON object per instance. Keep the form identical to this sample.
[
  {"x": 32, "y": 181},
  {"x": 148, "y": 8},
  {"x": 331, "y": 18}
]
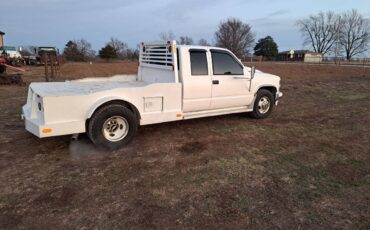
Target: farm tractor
[{"x": 7, "y": 79}]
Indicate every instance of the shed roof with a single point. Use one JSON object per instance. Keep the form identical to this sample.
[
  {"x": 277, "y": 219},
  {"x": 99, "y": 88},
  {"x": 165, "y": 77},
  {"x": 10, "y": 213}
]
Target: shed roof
[{"x": 2, "y": 33}]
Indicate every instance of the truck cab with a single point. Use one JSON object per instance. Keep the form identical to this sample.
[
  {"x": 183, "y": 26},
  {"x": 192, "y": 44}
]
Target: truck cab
[
  {"x": 213, "y": 78},
  {"x": 173, "y": 83}
]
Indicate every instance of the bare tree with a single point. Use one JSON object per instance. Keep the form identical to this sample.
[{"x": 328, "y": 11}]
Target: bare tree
[
  {"x": 185, "y": 40},
  {"x": 167, "y": 36},
  {"x": 235, "y": 35},
  {"x": 78, "y": 50},
  {"x": 320, "y": 31},
  {"x": 119, "y": 46},
  {"x": 354, "y": 33},
  {"x": 133, "y": 54},
  {"x": 203, "y": 42},
  {"x": 85, "y": 48}
]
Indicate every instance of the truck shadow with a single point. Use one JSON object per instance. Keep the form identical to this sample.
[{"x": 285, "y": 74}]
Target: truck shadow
[{"x": 83, "y": 148}]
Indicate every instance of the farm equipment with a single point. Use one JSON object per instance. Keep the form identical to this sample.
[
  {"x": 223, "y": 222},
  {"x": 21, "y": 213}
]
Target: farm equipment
[
  {"x": 11, "y": 55},
  {"x": 9, "y": 79},
  {"x": 47, "y": 55},
  {"x": 3, "y": 62},
  {"x": 30, "y": 60},
  {"x": 41, "y": 54},
  {"x": 11, "y": 59}
]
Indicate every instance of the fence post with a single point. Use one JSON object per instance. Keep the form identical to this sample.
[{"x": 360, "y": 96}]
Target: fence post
[
  {"x": 45, "y": 59},
  {"x": 52, "y": 66}
]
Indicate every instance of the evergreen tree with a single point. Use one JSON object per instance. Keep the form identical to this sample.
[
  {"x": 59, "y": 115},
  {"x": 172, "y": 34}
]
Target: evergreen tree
[
  {"x": 108, "y": 52},
  {"x": 266, "y": 47}
]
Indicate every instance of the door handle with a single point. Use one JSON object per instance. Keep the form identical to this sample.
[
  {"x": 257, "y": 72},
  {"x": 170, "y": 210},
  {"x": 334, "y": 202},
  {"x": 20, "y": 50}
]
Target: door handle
[{"x": 215, "y": 82}]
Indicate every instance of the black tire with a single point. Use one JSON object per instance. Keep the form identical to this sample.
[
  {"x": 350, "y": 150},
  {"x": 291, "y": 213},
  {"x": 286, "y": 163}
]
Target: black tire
[
  {"x": 2, "y": 69},
  {"x": 101, "y": 117},
  {"x": 265, "y": 95}
]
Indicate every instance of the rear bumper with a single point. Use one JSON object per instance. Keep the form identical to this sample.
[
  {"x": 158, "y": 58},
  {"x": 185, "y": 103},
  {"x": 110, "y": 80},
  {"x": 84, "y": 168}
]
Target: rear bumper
[
  {"x": 41, "y": 130},
  {"x": 33, "y": 127}
]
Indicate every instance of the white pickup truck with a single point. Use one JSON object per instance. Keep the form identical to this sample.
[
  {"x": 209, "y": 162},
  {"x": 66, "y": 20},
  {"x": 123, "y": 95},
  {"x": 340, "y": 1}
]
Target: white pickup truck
[{"x": 173, "y": 83}]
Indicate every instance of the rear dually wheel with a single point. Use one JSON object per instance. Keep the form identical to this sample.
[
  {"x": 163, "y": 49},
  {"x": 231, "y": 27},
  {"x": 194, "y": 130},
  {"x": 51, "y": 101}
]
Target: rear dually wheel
[{"x": 112, "y": 126}]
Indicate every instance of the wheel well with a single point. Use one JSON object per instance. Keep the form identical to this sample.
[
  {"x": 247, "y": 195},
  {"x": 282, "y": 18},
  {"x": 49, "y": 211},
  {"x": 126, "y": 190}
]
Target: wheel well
[
  {"x": 117, "y": 102},
  {"x": 272, "y": 89}
]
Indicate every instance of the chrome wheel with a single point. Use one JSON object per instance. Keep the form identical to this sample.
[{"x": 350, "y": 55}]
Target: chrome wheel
[
  {"x": 264, "y": 105},
  {"x": 115, "y": 128}
]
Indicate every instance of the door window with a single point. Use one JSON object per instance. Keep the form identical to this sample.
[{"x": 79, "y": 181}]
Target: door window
[
  {"x": 198, "y": 60},
  {"x": 224, "y": 64}
]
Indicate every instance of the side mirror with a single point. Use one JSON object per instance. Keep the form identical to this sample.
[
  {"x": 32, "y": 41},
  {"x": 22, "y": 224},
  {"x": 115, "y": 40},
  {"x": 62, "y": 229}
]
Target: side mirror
[{"x": 253, "y": 70}]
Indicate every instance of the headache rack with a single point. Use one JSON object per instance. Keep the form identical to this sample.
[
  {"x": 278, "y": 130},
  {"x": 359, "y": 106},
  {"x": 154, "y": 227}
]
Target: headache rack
[
  {"x": 158, "y": 54},
  {"x": 158, "y": 62}
]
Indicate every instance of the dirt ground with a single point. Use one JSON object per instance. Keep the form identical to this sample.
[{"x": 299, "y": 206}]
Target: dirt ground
[{"x": 305, "y": 167}]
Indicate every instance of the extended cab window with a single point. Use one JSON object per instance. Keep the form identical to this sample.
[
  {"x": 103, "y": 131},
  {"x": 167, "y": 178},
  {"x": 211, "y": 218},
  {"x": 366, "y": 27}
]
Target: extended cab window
[
  {"x": 198, "y": 60},
  {"x": 225, "y": 64}
]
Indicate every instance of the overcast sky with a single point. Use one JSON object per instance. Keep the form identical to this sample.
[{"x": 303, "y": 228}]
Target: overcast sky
[{"x": 54, "y": 22}]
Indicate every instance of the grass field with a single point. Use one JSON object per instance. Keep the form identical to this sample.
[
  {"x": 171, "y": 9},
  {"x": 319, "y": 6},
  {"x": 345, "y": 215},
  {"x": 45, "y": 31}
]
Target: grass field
[{"x": 305, "y": 167}]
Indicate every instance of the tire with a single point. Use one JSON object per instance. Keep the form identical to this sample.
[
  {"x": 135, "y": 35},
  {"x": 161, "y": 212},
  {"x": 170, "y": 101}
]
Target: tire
[
  {"x": 263, "y": 105},
  {"x": 112, "y": 127},
  {"x": 2, "y": 69}
]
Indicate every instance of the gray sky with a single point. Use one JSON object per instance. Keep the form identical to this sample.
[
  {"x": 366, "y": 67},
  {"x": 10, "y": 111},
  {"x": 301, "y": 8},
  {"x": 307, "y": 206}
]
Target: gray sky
[{"x": 54, "y": 22}]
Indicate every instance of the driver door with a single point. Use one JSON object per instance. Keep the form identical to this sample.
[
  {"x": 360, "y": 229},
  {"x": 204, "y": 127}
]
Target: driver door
[{"x": 230, "y": 80}]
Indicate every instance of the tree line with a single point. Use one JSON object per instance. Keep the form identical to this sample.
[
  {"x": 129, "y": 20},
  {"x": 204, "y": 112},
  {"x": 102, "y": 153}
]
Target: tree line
[
  {"x": 81, "y": 50},
  {"x": 232, "y": 34},
  {"x": 346, "y": 34},
  {"x": 338, "y": 34}
]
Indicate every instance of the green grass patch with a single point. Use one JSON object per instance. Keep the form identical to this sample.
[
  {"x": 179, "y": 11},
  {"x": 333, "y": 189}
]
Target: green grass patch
[{"x": 349, "y": 95}]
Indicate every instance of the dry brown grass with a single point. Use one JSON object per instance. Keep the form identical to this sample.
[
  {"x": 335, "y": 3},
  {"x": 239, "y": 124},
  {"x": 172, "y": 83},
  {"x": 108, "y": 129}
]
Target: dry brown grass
[
  {"x": 298, "y": 72},
  {"x": 305, "y": 167},
  {"x": 74, "y": 70}
]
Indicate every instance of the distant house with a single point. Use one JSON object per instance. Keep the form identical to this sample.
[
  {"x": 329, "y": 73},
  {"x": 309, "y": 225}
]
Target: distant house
[
  {"x": 1, "y": 39},
  {"x": 300, "y": 55}
]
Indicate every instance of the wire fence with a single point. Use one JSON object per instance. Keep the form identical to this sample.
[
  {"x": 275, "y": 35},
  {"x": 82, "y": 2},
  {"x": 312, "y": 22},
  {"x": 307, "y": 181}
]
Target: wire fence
[
  {"x": 344, "y": 61},
  {"x": 325, "y": 60}
]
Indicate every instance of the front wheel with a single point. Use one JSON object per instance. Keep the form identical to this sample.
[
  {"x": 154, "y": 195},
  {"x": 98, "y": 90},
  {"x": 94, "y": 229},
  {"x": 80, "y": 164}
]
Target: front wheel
[
  {"x": 263, "y": 105},
  {"x": 112, "y": 126}
]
